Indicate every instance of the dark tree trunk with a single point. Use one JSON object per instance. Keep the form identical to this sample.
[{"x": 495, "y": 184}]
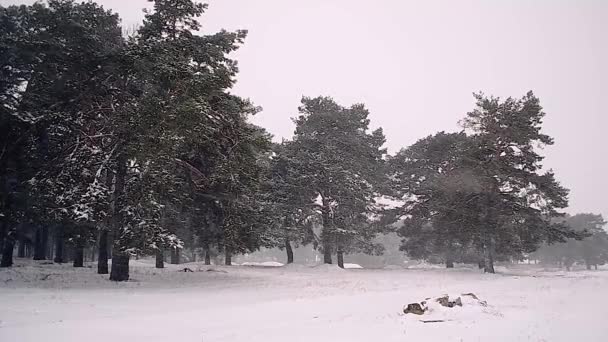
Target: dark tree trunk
[
  {"x": 289, "y": 251},
  {"x": 59, "y": 245},
  {"x": 228, "y": 257},
  {"x": 449, "y": 259},
  {"x": 588, "y": 266},
  {"x": 175, "y": 253},
  {"x": 103, "y": 251},
  {"x": 489, "y": 260},
  {"x": 42, "y": 233},
  {"x": 327, "y": 223},
  {"x": 193, "y": 255},
  {"x": 326, "y": 255},
  {"x": 120, "y": 266},
  {"x": 7, "y": 252},
  {"x": 340, "y": 256},
  {"x": 78, "y": 256},
  {"x": 207, "y": 256},
  {"x": 595, "y": 266},
  {"x": 50, "y": 248},
  {"x": 120, "y": 258},
  {"x": 160, "y": 259},
  {"x": 21, "y": 248}
]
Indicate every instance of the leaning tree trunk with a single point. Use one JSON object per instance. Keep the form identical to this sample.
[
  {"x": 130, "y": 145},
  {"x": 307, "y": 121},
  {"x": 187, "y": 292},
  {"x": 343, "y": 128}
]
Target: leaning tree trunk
[
  {"x": 175, "y": 253},
  {"x": 7, "y": 252},
  {"x": 59, "y": 245},
  {"x": 289, "y": 251},
  {"x": 228, "y": 257},
  {"x": 340, "y": 256},
  {"x": 120, "y": 266},
  {"x": 79, "y": 255},
  {"x": 160, "y": 258},
  {"x": 42, "y": 234}
]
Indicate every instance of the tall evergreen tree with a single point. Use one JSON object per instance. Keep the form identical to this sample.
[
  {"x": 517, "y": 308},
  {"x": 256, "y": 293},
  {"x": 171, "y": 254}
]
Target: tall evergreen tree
[
  {"x": 518, "y": 201},
  {"x": 341, "y": 161}
]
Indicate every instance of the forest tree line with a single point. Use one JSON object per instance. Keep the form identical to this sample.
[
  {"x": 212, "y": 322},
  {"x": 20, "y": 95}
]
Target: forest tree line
[{"x": 134, "y": 144}]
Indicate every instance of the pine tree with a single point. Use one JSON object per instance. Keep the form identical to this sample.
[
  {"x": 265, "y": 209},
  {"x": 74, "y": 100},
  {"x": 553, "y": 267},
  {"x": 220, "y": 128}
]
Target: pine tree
[
  {"x": 518, "y": 201},
  {"x": 440, "y": 195},
  {"x": 292, "y": 215},
  {"x": 341, "y": 161}
]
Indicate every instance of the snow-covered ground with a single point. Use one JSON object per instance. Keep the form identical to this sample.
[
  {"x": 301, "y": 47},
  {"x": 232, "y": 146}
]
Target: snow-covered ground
[{"x": 298, "y": 303}]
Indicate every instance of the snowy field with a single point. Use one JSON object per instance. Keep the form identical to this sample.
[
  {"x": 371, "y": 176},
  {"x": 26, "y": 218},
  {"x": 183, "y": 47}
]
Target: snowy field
[{"x": 263, "y": 302}]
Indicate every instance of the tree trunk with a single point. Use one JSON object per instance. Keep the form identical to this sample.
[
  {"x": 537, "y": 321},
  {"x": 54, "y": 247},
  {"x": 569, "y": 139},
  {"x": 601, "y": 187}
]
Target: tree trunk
[
  {"x": 289, "y": 251},
  {"x": 175, "y": 253},
  {"x": 326, "y": 255},
  {"x": 21, "y": 248},
  {"x": 50, "y": 248},
  {"x": 103, "y": 251},
  {"x": 42, "y": 233},
  {"x": 58, "y": 244},
  {"x": 7, "y": 252},
  {"x": 228, "y": 257},
  {"x": 595, "y": 266},
  {"x": 207, "y": 256},
  {"x": 193, "y": 255},
  {"x": 160, "y": 259},
  {"x": 79, "y": 256},
  {"x": 120, "y": 266},
  {"x": 489, "y": 258},
  {"x": 449, "y": 258},
  {"x": 588, "y": 266},
  {"x": 340, "y": 256},
  {"x": 327, "y": 223}
]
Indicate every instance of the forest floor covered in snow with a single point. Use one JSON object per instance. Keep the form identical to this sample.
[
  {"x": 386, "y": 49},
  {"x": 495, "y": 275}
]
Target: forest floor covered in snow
[{"x": 46, "y": 302}]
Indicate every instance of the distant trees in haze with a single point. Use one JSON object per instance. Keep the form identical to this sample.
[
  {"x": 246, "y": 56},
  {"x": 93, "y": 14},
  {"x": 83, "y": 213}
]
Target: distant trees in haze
[{"x": 591, "y": 251}]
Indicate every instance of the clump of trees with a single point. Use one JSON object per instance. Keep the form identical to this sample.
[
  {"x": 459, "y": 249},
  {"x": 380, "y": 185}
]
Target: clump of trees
[{"x": 134, "y": 145}]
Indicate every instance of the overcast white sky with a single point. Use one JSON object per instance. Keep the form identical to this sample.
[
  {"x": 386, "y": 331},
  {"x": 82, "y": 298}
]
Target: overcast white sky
[{"x": 416, "y": 63}]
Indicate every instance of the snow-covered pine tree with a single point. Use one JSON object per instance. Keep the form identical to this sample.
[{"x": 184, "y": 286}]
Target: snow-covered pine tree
[
  {"x": 440, "y": 197},
  {"x": 518, "y": 201},
  {"x": 342, "y": 162}
]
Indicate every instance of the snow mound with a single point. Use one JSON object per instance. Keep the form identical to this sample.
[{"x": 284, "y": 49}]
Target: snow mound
[
  {"x": 352, "y": 266},
  {"x": 415, "y": 264},
  {"x": 393, "y": 267},
  {"x": 263, "y": 264},
  {"x": 327, "y": 267}
]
